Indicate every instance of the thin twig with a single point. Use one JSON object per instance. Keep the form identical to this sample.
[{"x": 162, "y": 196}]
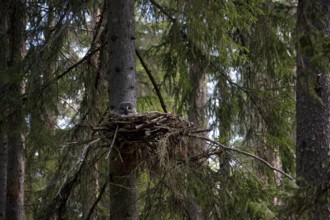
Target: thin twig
[
  {"x": 119, "y": 154},
  {"x": 85, "y": 142},
  {"x": 91, "y": 210},
  {"x": 153, "y": 81},
  {"x": 241, "y": 152},
  {"x": 113, "y": 142},
  {"x": 163, "y": 10},
  {"x": 246, "y": 168},
  {"x": 201, "y": 131},
  {"x": 73, "y": 66},
  {"x": 87, "y": 56}
]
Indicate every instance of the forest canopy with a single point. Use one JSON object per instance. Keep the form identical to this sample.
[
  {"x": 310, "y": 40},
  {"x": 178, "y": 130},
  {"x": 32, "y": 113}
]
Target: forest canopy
[{"x": 162, "y": 109}]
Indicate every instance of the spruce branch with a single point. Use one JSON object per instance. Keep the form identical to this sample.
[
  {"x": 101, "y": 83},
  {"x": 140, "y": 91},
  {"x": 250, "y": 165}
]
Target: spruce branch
[
  {"x": 73, "y": 66},
  {"x": 211, "y": 63},
  {"x": 68, "y": 70},
  {"x": 163, "y": 10},
  {"x": 62, "y": 196}
]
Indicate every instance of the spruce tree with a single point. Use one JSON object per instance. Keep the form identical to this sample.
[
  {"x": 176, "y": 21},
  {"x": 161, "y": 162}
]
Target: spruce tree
[
  {"x": 122, "y": 100},
  {"x": 313, "y": 104}
]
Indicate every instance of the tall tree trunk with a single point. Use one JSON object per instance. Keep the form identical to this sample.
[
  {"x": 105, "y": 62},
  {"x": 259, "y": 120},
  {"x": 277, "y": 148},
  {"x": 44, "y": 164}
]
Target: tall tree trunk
[
  {"x": 313, "y": 103},
  {"x": 197, "y": 115},
  {"x": 14, "y": 14},
  {"x": 197, "y": 103},
  {"x": 3, "y": 172},
  {"x": 122, "y": 98},
  {"x": 3, "y": 72},
  {"x": 224, "y": 117},
  {"x": 96, "y": 90}
]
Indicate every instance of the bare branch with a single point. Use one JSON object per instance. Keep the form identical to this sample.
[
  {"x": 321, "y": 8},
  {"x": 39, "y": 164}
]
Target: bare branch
[
  {"x": 91, "y": 210},
  {"x": 153, "y": 81},
  {"x": 163, "y": 10},
  {"x": 241, "y": 152}
]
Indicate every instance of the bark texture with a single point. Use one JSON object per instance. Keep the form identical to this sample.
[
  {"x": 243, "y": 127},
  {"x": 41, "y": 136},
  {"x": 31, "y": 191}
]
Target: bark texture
[
  {"x": 121, "y": 40},
  {"x": 313, "y": 100},
  {"x": 122, "y": 98},
  {"x": 197, "y": 115},
  {"x": 13, "y": 14},
  {"x": 3, "y": 174},
  {"x": 197, "y": 102},
  {"x": 3, "y": 72}
]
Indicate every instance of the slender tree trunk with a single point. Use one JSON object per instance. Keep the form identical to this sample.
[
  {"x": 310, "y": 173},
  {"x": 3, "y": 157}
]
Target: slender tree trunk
[
  {"x": 14, "y": 13},
  {"x": 197, "y": 115},
  {"x": 3, "y": 173},
  {"x": 48, "y": 69},
  {"x": 197, "y": 103},
  {"x": 313, "y": 103},
  {"x": 122, "y": 98},
  {"x": 15, "y": 169},
  {"x": 3, "y": 72},
  {"x": 97, "y": 89},
  {"x": 224, "y": 127}
]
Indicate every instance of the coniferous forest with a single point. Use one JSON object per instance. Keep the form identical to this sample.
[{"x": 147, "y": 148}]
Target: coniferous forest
[{"x": 163, "y": 109}]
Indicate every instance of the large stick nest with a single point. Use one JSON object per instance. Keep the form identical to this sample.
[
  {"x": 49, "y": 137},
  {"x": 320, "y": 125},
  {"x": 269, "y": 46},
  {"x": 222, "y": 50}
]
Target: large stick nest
[
  {"x": 154, "y": 136},
  {"x": 145, "y": 127}
]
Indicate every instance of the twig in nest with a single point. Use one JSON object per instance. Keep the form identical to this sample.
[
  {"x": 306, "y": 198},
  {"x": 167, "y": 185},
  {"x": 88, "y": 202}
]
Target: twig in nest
[
  {"x": 112, "y": 143},
  {"x": 201, "y": 131},
  {"x": 119, "y": 154}
]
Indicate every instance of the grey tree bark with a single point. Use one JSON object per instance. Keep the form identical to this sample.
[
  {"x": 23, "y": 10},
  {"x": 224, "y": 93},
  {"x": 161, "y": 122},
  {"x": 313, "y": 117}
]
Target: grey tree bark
[
  {"x": 122, "y": 99},
  {"x": 196, "y": 114},
  {"x": 197, "y": 102},
  {"x": 313, "y": 102},
  {"x": 13, "y": 14}
]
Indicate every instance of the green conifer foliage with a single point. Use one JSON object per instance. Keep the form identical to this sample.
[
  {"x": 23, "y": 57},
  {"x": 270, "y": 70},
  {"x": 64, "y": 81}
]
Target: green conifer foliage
[{"x": 245, "y": 51}]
